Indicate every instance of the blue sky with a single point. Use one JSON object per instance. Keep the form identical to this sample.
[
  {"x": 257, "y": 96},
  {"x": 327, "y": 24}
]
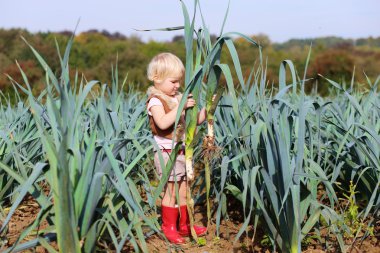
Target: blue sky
[{"x": 279, "y": 19}]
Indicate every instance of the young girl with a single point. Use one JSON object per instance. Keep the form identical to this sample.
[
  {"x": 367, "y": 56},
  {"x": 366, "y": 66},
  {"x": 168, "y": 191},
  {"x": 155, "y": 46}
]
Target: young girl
[{"x": 166, "y": 72}]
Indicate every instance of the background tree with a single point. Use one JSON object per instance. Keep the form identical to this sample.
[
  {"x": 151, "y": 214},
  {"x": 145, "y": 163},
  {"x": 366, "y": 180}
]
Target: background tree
[{"x": 95, "y": 51}]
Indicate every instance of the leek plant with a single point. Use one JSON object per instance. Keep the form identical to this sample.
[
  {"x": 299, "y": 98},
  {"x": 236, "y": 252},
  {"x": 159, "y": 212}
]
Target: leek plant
[
  {"x": 336, "y": 143},
  {"x": 17, "y": 130},
  {"x": 204, "y": 63},
  {"x": 87, "y": 155},
  {"x": 277, "y": 147}
]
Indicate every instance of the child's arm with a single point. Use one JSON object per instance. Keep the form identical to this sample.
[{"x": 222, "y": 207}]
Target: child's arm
[
  {"x": 202, "y": 114},
  {"x": 165, "y": 120},
  {"x": 162, "y": 120}
]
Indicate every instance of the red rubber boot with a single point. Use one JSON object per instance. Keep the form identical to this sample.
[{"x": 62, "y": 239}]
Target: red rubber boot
[
  {"x": 184, "y": 224},
  {"x": 169, "y": 217}
]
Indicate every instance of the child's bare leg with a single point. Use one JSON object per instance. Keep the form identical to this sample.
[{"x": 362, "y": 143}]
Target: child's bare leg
[
  {"x": 169, "y": 198},
  {"x": 182, "y": 192}
]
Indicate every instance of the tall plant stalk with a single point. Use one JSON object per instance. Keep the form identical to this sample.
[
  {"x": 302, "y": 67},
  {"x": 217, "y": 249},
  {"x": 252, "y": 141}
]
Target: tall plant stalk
[{"x": 201, "y": 64}]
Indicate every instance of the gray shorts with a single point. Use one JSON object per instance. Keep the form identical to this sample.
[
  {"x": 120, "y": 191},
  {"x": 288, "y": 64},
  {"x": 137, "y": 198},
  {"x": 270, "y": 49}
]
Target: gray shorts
[{"x": 179, "y": 168}]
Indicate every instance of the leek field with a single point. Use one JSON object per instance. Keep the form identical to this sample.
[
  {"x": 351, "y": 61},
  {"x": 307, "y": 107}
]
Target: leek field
[{"x": 303, "y": 169}]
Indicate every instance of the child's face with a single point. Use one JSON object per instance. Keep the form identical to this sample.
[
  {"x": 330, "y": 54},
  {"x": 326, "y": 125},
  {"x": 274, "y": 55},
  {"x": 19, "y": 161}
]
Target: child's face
[{"x": 169, "y": 85}]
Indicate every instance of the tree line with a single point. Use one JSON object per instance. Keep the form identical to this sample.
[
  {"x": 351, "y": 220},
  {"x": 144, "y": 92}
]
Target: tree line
[{"x": 95, "y": 53}]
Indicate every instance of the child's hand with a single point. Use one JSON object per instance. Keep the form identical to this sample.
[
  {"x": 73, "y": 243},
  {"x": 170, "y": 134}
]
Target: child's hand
[{"x": 190, "y": 102}]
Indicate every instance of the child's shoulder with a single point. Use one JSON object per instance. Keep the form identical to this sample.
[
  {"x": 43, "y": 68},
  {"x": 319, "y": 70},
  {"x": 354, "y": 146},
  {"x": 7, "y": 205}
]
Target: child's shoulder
[{"x": 154, "y": 101}]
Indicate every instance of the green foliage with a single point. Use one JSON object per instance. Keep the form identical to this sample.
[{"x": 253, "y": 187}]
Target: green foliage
[
  {"x": 93, "y": 51},
  {"x": 76, "y": 141},
  {"x": 262, "y": 136},
  {"x": 266, "y": 241},
  {"x": 86, "y": 140},
  {"x": 201, "y": 241},
  {"x": 351, "y": 215},
  {"x": 334, "y": 140}
]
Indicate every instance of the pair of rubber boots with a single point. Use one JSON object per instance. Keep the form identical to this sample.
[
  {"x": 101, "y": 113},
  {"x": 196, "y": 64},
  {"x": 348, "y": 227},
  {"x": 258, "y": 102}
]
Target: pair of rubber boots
[{"x": 169, "y": 217}]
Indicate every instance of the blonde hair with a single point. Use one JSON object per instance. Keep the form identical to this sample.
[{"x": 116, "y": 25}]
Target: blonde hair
[{"x": 165, "y": 65}]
